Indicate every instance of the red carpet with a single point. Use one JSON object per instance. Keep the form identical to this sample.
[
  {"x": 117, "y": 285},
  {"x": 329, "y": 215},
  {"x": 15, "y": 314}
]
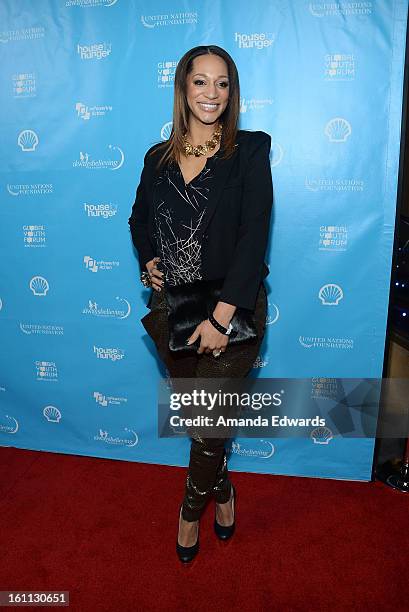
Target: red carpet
[{"x": 105, "y": 531}]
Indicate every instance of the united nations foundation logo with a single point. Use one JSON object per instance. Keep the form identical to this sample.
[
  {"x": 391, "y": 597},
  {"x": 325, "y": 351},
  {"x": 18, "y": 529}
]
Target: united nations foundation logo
[
  {"x": 169, "y": 19},
  {"x": 344, "y": 9},
  {"x": 22, "y": 34},
  {"x": 328, "y": 183},
  {"x": 326, "y": 342},
  {"x": 29, "y": 189}
]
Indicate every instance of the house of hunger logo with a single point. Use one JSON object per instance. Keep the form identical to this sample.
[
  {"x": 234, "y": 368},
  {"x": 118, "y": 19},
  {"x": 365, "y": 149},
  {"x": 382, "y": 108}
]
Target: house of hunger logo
[
  {"x": 106, "y": 211},
  {"x": 255, "y": 40},
  {"x": 85, "y": 161},
  {"x": 96, "y": 51}
]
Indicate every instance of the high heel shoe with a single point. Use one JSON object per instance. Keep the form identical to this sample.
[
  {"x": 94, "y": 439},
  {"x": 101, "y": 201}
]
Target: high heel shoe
[
  {"x": 186, "y": 553},
  {"x": 222, "y": 532}
]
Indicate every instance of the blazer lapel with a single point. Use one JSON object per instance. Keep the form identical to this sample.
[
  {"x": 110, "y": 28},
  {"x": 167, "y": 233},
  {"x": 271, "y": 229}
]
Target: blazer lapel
[{"x": 223, "y": 168}]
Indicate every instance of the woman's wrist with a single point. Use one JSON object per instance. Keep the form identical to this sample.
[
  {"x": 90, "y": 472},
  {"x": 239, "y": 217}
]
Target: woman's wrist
[{"x": 223, "y": 313}]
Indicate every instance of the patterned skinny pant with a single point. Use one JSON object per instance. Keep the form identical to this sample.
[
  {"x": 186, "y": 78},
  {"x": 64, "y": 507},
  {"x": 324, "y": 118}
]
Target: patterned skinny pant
[{"x": 207, "y": 473}]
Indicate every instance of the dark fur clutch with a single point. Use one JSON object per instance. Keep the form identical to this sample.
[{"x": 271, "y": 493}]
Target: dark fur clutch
[{"x": 190, "y": 304}]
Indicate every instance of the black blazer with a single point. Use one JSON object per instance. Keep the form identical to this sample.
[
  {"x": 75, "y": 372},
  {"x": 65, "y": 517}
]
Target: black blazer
[{"x": 236, "y": 223}]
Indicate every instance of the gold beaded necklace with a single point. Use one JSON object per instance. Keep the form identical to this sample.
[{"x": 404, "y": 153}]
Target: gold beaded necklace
[{"x": 202, "y": 149}]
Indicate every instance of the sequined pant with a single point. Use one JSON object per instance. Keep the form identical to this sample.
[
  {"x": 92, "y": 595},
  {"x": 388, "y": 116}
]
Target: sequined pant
[{"x": 207, "y": 473}]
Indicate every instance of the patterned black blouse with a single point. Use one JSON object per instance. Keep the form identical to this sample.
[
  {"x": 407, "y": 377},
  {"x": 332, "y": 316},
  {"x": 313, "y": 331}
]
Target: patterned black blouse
[{"x": 179, "y": 210}]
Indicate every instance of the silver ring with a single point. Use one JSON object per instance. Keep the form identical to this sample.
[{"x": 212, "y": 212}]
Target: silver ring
[{"x": 217, "y": 353}]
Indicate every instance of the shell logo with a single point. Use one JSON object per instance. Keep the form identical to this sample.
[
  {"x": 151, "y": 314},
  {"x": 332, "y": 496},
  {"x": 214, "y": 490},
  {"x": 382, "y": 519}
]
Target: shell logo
[
  {"x": 39, "y": 285},
  {"x": 321, "y": 435},
  {"x": 27, "y": 140},
  {"x": 52, "y": 414},
  {"x": 166, "y": 130},
  {"x": 330, "y": 294},
  {"x": 338, "y": 129}
]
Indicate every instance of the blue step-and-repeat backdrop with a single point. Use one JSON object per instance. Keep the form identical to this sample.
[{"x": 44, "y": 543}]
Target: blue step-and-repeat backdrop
[{"x": 86, "y": 88}]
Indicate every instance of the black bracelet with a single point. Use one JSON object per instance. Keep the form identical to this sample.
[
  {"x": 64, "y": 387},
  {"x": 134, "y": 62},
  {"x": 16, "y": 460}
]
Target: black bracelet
[{"x": 224, "y": 330}]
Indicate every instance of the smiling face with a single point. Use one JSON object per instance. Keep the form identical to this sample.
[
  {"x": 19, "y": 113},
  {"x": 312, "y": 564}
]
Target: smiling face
[{"x": 207, "y": 88}]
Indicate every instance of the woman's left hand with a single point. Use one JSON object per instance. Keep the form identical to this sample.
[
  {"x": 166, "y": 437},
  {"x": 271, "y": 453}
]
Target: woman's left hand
[{"x": 210, "y": 338}]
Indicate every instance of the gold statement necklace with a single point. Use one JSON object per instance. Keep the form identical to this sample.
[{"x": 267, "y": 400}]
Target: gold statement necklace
[{"x": 202, "y": 149}]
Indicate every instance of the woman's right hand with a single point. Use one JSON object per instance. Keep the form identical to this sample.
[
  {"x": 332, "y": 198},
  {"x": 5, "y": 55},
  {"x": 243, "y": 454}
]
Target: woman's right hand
[{"x": 155, "y": 274}]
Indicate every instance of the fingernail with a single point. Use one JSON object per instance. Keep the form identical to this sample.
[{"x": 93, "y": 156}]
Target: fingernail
[{"x": 187, "y": 341}]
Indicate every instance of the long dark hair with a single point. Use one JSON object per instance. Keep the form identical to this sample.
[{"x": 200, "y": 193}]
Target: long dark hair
[{"x": 173, "y": 147}]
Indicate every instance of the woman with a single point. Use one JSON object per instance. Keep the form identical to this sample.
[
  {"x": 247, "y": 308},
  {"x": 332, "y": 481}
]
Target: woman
[{"x": 202, "y": 212}]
